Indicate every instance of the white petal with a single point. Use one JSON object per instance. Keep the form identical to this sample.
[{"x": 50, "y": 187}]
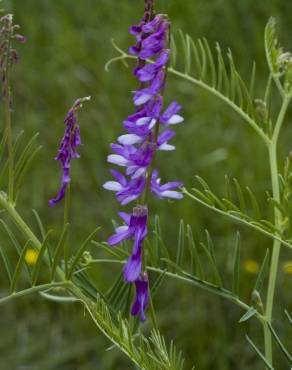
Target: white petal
[
  {"x": 171, "y": 194},
  {"x": 166, "y": 146},
  {"x": 121, "y": 229},
  {"x": 117, "y": 159},
  {"x": 128, "y": 199},
  {"x": 129, "y": 139},
  {"x": 140, "y": 171},
  {"x": 142, "y": 99},
  {"x": 175, "y": 119},
  {"x": 112, "y": 185},
  {"x": 152, "y": 123},
  {"x": 142, "y": 121}
]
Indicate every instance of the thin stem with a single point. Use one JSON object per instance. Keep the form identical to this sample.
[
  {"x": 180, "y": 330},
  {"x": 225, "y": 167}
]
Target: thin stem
[
  {"x": 279, "y": 85},
  {"x": 152, "y": 313},
  {"x": 37, "y": 288},
  {"x": 66, "y": 220},
  {"x": 7, "y": 117},
  {"x": 67, "y": 204},
  {"x": 268, "y": 88},
  {"x": 280, "y": 119},
  {"x": 278, "y": 223}
]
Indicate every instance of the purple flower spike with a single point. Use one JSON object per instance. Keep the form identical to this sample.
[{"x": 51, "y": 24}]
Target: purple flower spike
[
  {"x": 136, "y": 149},
  {"x": 68, "y": 148},
  {"x": 142, "y": 296}
]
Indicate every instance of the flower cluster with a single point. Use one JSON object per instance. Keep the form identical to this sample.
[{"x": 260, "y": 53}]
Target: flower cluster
[
  {"x": 147, "y": 132},
  {"x": 8, "y": 55},
  {"x": 68, "y": 147}
]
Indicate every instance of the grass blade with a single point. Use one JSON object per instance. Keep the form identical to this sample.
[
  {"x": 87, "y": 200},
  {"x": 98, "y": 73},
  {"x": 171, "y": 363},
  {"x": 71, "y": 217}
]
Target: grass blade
[
  {"x": 236, "y": 266},
  {"x": 36, "y": 269},
  {"x": 181, "y": 244},
  {"x": 268, "y": 365},
  {"x": 18, "y": 268},
  {"x": 6, "y": 264},
  {"x": 80, "y": 252},
  {"x": 58, "y": 250},
  {"x": 280, "y": 344},
  {"x": 196, "y": 266},
  {"x": 262, "y": 273}
]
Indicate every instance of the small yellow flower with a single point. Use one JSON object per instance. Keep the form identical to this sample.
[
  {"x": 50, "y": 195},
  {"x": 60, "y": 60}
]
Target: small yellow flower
[
  {"x": 31, "y": 256},
  {"x": 251, "y": 266},
  {"x": 287, "y": 267}
]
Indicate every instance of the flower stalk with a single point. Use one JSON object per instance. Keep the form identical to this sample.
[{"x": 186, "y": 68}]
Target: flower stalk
[{"x": 138, "y": 148}]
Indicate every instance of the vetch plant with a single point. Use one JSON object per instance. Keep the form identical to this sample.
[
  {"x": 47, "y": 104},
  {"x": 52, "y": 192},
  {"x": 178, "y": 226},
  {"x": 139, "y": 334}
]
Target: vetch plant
[
  {"x": 68, "y": 147},
  {"x": 58, "y": 270},
  {"x": 137, "y": 149}
]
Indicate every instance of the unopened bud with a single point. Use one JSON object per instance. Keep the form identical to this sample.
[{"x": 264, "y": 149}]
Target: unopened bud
[{"x": 261, "y": 109}]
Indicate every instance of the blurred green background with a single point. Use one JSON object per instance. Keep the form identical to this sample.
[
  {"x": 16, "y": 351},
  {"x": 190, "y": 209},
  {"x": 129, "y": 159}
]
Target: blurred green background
[{"x": 68, "y": 46}]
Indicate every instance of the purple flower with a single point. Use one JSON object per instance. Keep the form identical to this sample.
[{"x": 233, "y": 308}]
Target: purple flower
[
  {"x": 148, "y": 72},
  {"x": 135, "y": 229},
  {"x": 142, "y": 296},
  {"x": 166, "y": 190},
  {"x": 144, "y": 95},
  {"x": 170, "y": 116},
  {"x": 137, "y": 160},
  {"x": 154, "y": 43},
  {"x": 68, "y": 148},
  {"x": 126, "y": 190}
]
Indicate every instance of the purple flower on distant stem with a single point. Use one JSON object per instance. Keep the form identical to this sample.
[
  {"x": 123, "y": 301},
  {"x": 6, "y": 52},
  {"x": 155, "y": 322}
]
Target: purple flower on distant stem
[
  {"x": 68, "y": 147},
  {"x": 136, "y": 150},
  {"x": 142, "y": 296}
]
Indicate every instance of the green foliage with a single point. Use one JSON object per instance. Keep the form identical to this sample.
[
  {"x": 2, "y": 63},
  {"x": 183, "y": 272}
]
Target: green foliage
[{"x": 199, "y": 264}]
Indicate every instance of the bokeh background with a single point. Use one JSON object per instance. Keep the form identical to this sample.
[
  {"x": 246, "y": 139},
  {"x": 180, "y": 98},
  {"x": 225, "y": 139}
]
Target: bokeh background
[{"x": 68, "y": 46}]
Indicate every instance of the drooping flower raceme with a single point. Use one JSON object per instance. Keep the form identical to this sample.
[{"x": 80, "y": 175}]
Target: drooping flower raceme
[
  {"x": 8, "y": 55},
  {"x": 147, "y": 131},
  {"x": 68, "y": 147}
]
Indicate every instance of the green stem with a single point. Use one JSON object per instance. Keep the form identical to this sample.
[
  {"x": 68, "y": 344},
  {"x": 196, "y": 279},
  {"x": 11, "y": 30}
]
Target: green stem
[
  {"x": 33, "y": 289},
  {"x": 278, "y": 224},
  {"x": 268, "y": 88},
  {"x": 66, "y": 220},
  {"x": 7, "y": 117}
]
